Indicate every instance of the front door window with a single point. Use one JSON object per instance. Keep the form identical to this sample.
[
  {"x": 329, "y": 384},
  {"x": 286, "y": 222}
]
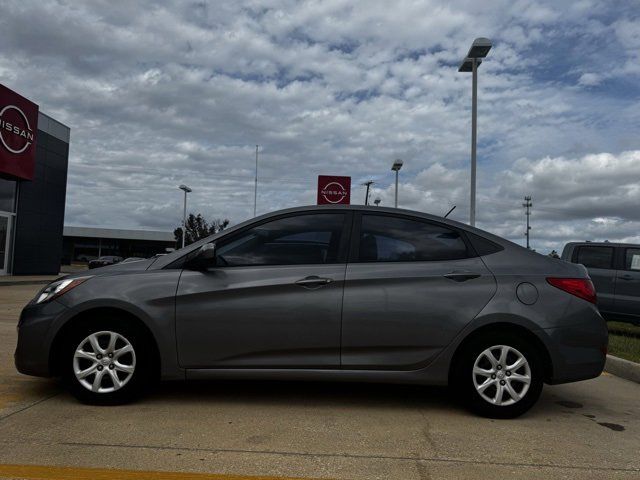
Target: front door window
[{"x": 312, "y": 239}]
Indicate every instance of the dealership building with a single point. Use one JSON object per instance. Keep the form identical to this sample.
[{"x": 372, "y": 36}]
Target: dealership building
[{"x": 34, "y": 156}]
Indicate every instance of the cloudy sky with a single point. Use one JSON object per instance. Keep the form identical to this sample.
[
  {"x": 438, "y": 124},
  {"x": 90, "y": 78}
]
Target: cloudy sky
[{"x": 158, "y": 94}]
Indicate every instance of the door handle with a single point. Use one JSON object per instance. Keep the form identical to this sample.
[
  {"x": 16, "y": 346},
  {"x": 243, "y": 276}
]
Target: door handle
[
  {"x": 626, "y": 277},
  {"x": 461, "y": 276},
  {"x": 313, "y": 282}
]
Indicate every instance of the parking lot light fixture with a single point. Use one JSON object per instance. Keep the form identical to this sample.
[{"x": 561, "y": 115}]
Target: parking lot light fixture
[
  {"x": 186, "y": 190},
  {"x": 479, "y": 50},
  {"x": 397, "y": 165}
]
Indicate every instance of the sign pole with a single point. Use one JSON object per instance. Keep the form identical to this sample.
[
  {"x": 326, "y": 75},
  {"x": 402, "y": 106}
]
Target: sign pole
[{"x": 255, "y": 187}]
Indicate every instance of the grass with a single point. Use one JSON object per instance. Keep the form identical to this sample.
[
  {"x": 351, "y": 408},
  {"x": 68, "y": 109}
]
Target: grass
[
  {"x": 621, "y": 328},
  {"x": 625, "y": 347},
  {"x": 624, "y": 341}
]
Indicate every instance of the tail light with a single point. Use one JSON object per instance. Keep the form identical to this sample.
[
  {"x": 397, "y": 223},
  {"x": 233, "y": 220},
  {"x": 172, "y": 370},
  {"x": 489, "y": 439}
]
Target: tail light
[{"x": 580, "y": 287}]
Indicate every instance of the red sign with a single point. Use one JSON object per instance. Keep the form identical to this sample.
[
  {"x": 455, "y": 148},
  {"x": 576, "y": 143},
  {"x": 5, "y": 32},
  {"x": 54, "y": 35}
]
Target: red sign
[
  {"x": 18, "y": 127},
  {"x": 334, "y": 190}
]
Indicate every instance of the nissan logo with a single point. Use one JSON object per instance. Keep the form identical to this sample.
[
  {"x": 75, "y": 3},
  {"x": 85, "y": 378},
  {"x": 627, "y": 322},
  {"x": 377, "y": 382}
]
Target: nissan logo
[
  {"x": 16, "y": 134},
  {"x": 333, "y": 192}
]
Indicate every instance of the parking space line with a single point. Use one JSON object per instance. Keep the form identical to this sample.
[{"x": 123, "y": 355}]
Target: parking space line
[{"x": 43, "y": 472}]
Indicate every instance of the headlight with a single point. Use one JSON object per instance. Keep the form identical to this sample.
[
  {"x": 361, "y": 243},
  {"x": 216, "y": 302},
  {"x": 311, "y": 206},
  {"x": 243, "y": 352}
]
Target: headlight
[{"x": 58, "y": 288}]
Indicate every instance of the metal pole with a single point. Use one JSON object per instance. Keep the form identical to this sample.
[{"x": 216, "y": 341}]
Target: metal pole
[
  {"x": 527, "y": 206},
  {"x": 255, "y": 188},
  {"x": 528, "y": 228},
  {"x": 397, "y": 188},
  {"x": 474, "y": 126},
  {"x": 184, "y": 219}
]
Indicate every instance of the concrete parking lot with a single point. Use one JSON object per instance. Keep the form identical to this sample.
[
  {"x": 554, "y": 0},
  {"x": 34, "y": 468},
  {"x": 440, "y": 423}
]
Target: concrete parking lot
[{"x": 587, "y": 430}]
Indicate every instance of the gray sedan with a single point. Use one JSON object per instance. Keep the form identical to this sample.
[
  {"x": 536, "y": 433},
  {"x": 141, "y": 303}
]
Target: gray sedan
[{"x": 325, "y": 293}]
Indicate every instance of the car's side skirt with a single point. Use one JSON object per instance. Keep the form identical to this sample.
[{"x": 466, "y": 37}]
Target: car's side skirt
[{"x": 423, "y": 376}]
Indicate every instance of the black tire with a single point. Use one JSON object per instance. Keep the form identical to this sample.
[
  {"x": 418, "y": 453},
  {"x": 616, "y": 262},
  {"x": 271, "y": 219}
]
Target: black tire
[
  {"x": 137, "y": 383},
  {"x": 463, "y": 378}
]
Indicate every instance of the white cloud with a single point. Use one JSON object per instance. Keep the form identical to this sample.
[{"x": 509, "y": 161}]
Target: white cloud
[
  {"x": 590, "y": 79},
  {"x": 159, "y": 94}
]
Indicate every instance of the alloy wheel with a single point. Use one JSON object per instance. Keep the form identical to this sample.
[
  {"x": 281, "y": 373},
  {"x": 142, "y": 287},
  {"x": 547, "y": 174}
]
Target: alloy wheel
[
  {"x": 104, "y": 362},
  {"x": 501, "y": 375}
]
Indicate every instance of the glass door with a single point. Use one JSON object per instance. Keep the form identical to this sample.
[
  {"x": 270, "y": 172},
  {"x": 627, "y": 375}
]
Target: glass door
[{"x": 5, "y": 223}]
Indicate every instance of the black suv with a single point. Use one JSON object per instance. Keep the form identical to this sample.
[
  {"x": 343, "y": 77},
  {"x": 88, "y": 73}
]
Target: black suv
[{"x": 615, "y": 271}]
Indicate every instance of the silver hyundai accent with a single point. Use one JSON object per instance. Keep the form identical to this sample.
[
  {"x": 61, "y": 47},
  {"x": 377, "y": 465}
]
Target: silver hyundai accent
[{"x": 325, "y": 293}]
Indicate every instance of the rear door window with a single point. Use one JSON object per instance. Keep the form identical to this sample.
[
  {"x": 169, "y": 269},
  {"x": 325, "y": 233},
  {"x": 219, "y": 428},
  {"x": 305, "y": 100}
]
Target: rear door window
[
  {"x": 632, "y": 259},
  {"x": 595, "y": 257},
  {"x": 386, "y": 238}
]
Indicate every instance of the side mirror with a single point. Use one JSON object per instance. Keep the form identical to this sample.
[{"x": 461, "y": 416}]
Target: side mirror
[
  {"x": 207, "y": 251},
  {"x": 205, "y": 257}
]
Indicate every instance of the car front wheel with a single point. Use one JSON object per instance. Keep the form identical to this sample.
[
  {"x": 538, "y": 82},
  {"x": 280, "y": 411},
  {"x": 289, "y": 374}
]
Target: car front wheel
[{"x": 107, "y": 363}]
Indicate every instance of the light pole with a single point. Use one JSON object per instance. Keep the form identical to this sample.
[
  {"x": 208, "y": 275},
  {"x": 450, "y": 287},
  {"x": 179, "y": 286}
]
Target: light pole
[
  {"x": 186, "y": 190},
  {"x": 255, "y": 188},
  {"x": 397, "y": 165},
  {"x": 479, "y": 49}
]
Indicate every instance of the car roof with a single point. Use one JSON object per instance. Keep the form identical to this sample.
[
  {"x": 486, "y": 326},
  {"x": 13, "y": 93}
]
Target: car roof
[
  {"x": 364, "y": 208},
  {"x": 374, "y": 209}
]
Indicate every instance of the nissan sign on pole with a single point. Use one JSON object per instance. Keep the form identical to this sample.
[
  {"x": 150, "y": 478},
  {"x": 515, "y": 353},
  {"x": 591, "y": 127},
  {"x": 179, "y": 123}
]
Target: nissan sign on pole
[
  {"x": 334, "y": 190},
  {"x": 18, "y": 127}
]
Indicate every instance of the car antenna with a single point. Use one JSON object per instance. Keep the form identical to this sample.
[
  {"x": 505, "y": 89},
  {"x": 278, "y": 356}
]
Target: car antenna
[{"x": 452, "y": 209}]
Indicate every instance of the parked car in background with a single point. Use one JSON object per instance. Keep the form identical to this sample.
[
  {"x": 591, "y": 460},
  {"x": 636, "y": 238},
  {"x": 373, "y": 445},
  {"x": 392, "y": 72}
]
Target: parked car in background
[
  {"x": 325, "y": 293},
  {"x": 614, "y": 269},
  {"x": 104, "y": 261},
  {"x": 132, "y": 259}
]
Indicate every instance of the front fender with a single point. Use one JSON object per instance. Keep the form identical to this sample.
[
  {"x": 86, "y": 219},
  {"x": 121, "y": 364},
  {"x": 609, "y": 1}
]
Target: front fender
[{"x": 149, "y": 296}]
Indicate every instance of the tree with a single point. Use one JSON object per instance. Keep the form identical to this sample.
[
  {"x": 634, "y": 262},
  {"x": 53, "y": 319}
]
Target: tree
[{"x": 198, "y": 228}]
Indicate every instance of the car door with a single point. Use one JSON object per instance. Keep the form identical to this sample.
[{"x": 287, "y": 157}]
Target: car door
[
  {"x": 599, "y": 260},
  {"x": 411, "y": 286},
  {"x": 627, "y": 297},
  {"x": 271, "y": 299}
]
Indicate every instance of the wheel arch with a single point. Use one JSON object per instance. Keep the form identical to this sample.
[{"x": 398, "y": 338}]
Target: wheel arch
[
  {"x": 504, "y": 327},
  {"x": 93, "y": 314}
]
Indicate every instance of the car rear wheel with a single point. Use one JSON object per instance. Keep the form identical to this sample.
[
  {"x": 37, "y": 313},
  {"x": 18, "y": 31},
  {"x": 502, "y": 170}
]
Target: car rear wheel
[
  {"x": 499, "y": 375},
  {"x": 106, "y": 363}
]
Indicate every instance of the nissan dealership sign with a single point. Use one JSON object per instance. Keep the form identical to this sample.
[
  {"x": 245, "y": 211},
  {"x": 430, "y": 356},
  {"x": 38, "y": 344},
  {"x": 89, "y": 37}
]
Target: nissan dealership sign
[
  {"x": 334, "y": 190},
  {"x": 18, "y": 127}
]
